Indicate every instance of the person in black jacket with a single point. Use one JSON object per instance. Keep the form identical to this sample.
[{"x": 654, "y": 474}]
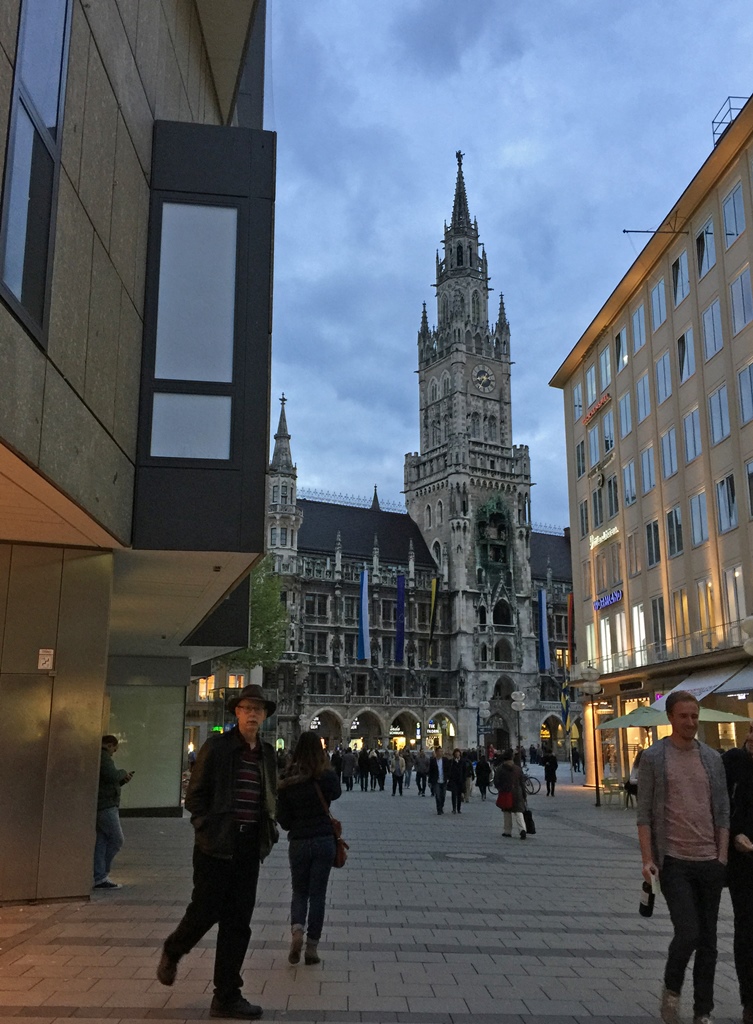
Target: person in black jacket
[
  {"x": 550, "y": 772},
  {"x": 304, "y": 796},
  {"x": 439, "y": 768},
  {"x": 231, "y": 797},
  {"x": 738, "y": 764}
]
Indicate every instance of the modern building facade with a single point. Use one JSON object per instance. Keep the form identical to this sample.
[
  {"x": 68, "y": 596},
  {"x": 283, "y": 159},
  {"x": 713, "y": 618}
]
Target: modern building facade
[
  {"x": 658, "y": 397},
  {"x": 467, "y": 492},
  {"x": 137, "y": 205}
]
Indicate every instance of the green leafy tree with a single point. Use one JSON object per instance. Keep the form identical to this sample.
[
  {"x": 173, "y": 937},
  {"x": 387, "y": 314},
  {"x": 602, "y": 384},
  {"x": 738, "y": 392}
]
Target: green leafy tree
[{"x": 268, "y": 621}]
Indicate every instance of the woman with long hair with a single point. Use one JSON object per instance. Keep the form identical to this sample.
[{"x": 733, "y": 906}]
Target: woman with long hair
[{"x": 303, "y": 797}]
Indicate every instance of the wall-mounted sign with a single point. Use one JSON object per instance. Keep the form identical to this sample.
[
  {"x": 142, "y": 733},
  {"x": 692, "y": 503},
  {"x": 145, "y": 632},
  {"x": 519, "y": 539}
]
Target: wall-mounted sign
[
  {"x": 598, "y": 538},
  {"x": 45, "y": 659},
  {"x": 607, "y": 599},
  {"x": 594, "y": 409}
]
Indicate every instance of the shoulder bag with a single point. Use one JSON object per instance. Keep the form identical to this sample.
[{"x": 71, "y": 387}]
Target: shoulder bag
[{"x": 341, "y": 847}]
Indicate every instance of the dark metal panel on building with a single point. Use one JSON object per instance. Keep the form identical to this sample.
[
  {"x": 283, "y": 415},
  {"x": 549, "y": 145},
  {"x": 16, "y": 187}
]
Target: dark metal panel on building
[{"x": 212, "y": 504}]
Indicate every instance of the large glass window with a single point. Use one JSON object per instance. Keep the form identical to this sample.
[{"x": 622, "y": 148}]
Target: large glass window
[
  {"x": 583, "y": 516},
  {"x": 613, "y": 501},
  {"x": 633, "y": 554},
  {"x": 639, "y": 634},
  {"x": 577, "y": 401},
  {"x": 642, "y": 397},
  {"x": 712, "y": 329},
  {"x": 597, "y": 508},
  {"x": 626, "y": 419},
  {"x": 639, "y": 328},
  {"x": 719, "y": 414},
  {"x": 605, "y": 369},
  {"x": 580, "y": 458},
  {"x": 33, "y": 156},
  {"x": 680, "y": 278},
  {"x": 726, "y": 504},
  {"x": 691, "y": 428},
  {"x": 653, "y": 551},
  {"x": 699, "y": 528},
  {"x": 590, "y": 386},
  {"x": 628, "y": 483},
  {"x": 749, "y": 478},
  {"x": 734, "y": 599},
  {"x": 742, "y": 301},
  {"x": 191, "y": 426},
  {"x": 663, "y": 378},
  {"x": 648, "y": 476},
  {"x": 734, "y": 215},
  {"x": 745, "y": 386},
  {"x": 593, "y": 445},
  {"x": 620, "y": 349},
  {"x": 658, "y": 624},
  {"x": 669, "y": 453},
  {"x": 674, "y": 532},
  {"x": 658, "y": 305},
  {"x": 685, "y": 355},
  {"x": 608, "y": 429},
  {"x": 705, "y": 248}
]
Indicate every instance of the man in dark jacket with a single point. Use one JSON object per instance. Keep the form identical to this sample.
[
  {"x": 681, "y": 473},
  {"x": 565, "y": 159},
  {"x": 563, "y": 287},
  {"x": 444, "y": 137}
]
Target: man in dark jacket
[
  {"x": 109, "y": 830},
  {"x": 439, "y": 769},
  {"x": 231, "y": 797}
]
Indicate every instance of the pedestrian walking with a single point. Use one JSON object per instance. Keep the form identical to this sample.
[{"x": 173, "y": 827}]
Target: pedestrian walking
[
  {"x": 469, "y": 776},
  {"x": 304, "y": 795},
  {"x": 409, "y": 758},
  {"x": 456, "y": 780},
  {"x": 363, "y": 769},
  {"x": 109, "y": 834},
  {"x": 483, "y": 774},
  {"x": 550, "y": 772},
  {"x": 231, "y": 797},
  {"x": 683, "y": 830},
  {"x": 438, "y": 769},
  {"x": 349, "y": 767},
  {"x": 508, "y": 778},
  {"x": 336, "y": 761},
  {"x": 398, "y": 771},
  {"x": 738, "y": 764},
  {"x": 575, "y": 755},
  {"x": 381, "y": 769},
  {"x": 422, "y": 772}
]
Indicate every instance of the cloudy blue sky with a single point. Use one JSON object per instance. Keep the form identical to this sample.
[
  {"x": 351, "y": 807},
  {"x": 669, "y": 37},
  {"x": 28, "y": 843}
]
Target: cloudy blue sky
[{"x": 578, "y": 118}]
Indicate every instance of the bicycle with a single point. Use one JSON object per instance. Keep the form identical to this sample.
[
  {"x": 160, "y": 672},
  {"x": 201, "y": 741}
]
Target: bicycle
[{"x": 530, "y": 783}]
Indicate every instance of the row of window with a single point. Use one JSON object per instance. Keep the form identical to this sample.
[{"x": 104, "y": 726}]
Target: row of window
[
  {"x": 481, "y": 428},
  {"x": 601, "y": 436},
  {"x": 614, "y": 644},
  {"x": 741, "y": 303}
]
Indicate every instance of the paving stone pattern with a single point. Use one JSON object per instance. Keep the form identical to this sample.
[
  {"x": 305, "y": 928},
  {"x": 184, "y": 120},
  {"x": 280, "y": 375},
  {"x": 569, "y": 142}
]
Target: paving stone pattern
[{"x": 433, "y": 920}]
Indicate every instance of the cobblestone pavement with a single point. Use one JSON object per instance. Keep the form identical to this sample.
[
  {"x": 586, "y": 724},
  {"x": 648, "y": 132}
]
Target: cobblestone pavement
[{"x": 434, "y": 920}]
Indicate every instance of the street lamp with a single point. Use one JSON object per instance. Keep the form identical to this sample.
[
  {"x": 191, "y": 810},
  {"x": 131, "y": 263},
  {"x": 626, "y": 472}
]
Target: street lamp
[
  {"x": 518, "y": 705},
  {"x": 590, "y": 685}
]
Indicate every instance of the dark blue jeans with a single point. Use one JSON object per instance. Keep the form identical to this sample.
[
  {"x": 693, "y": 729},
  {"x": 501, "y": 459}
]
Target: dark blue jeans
[
  {"x": 310, "y": 864},
  {"x": 692, "y": 889}
]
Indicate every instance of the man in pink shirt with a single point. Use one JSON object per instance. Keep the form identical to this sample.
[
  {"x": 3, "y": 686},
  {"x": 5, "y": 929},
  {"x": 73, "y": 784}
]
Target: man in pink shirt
[{"x": 683, "y": 830}]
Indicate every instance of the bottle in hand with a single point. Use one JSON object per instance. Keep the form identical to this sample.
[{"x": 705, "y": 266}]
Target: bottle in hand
[{"x": 646, "y": 906}]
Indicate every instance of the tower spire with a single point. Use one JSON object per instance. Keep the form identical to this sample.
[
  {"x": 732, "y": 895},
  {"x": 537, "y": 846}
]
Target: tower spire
[
  {"x": 281, "y": 457},
  {"x": 461, "y": 218}
]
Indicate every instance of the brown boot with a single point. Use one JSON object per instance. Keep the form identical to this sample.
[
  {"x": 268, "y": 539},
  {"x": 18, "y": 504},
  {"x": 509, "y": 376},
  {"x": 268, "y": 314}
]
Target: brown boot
[
  {"x": 311, "y": 956},
  {"x": 296, "y": 944}
]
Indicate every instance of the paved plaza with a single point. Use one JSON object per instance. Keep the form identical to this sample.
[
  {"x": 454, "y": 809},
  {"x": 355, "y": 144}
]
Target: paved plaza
[{"x": 436, "y": 920}]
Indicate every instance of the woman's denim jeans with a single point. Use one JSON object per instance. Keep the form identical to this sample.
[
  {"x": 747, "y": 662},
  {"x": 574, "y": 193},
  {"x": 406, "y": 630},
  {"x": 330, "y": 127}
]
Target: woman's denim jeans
[{"x": 310, "y": 864}]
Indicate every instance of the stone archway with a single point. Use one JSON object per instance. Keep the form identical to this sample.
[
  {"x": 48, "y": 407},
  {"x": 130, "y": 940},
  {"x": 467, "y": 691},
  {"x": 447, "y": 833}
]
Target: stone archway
[
  {"x": 442, "y": 731},
  {"x": 366, "y": 729},
  {"x": 329, "y": 726},
  {"x": 553, "y": 736},
  {"x": 405, "y": 731}
]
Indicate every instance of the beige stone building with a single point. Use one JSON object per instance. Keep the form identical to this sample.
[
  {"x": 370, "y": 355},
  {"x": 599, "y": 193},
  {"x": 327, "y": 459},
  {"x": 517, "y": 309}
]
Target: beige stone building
[
  {"x": 658, "y": 396},
  {"x": 135, "y": 292}
]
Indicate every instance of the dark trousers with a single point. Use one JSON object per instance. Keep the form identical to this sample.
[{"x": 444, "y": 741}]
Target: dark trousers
[
  {"x": 363, "y": 778},
  {"x": 421, "y": 784},
  {"x": 224, "y": 893},
  {"x": 310, "y": 864},
  {"x": 550, "y": 784},
  {"x": 440, "y": 791},
  {"x": 741, "y": 892},
  {"x": 397, "y": 783},
  {"x": 457, "y": 797},
  {"x": 692, "y": 890}
]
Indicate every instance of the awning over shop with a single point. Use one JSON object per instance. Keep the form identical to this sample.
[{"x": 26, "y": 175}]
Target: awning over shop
[
  {"x": 740, "y": 682},
  {"x": 700, "y": 684}
]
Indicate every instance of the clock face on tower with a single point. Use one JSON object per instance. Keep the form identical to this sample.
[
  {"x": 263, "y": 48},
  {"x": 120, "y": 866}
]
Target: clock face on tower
[{"x": 483, "y": 378}]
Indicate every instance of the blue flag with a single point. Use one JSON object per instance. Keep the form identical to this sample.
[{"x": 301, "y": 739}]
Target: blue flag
[
  {"x": 364, "y": 641},
  {"x": 400, "y": 622},
  {"x": 545, "y": 664}
]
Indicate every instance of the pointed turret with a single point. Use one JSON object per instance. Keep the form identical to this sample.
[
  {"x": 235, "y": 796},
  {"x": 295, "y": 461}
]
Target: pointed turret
[
  {"x": 281, "y": 457},
  {"x": 424, "y": 328},
  {"x": 461, "y": 218},
  {"x": 375, "y": 502},
  {"x": 502, "y": 318}
]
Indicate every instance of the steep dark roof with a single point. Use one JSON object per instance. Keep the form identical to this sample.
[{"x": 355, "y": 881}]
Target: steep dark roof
[
  {"x": 357, "y": 526},
  {"x": 556, "y": 550}
]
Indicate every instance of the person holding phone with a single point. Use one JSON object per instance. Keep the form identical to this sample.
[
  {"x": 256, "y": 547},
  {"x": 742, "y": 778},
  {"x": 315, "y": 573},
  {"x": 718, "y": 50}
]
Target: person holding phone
[{"x": 109, "y": 840}]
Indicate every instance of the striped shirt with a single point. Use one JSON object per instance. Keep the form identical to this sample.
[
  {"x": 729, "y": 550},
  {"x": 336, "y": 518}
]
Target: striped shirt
[{"x": 247, "y": 793}]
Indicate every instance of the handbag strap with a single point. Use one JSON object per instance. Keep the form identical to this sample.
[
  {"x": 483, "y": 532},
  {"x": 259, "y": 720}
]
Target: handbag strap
[{"x": 325, "y": 805}]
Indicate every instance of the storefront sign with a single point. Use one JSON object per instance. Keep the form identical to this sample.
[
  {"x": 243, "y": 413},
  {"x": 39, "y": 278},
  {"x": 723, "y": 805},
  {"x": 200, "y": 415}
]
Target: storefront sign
[
  {"x": 598, "y": 538},
  {"x": 594, "y": 409},
  {"x": 607, "y": 599}
]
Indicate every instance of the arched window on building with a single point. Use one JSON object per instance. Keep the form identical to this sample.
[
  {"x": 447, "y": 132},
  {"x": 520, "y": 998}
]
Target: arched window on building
[
  {"x": 284, "y": 494},
  {"x": 475, "y": 425},
  {"x": 440, "y": 513},
  {"x": 460, "y": 255},
  {"x": 427, "y": 517},
  {"x": 502, "y": 616},
  {"x": 492, "y": 428},
  {"x": 272, "y": 536},
  {"x": 446, "y": 384},
  {"x": 484, "y": 654},
  {"x": 445, "y": 309},
  {"x": 433, "y": 390},
  {"x": 436, "y": 552},
  {"x": 502, "y": 652},
  {"x": 275, "y": 493},
  {"x": 475, "y": 308},
  {"x": 482, "y": 615},
  {"x": 435, "y": 433}
]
